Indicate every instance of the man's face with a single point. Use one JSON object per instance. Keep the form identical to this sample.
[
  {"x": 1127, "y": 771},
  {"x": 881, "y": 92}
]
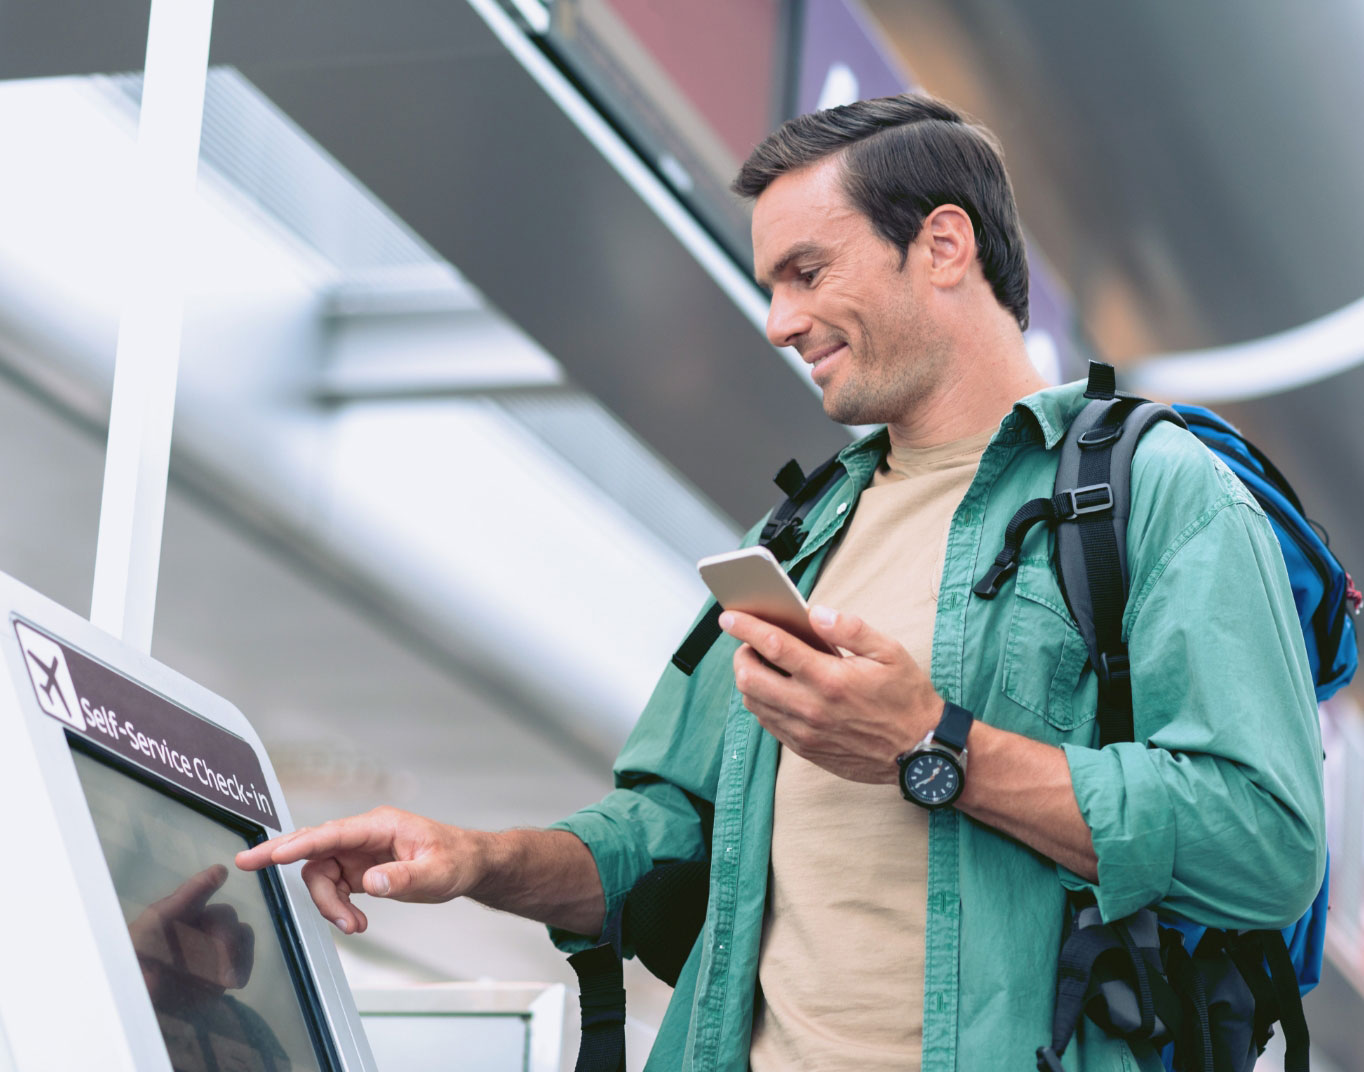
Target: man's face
[{"x": 841, "y": 297}]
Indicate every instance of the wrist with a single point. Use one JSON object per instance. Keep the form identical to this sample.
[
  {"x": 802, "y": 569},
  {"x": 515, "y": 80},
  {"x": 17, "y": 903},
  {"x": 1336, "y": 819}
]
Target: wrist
[
  {"x": 923, "y": 721},
  {"x": 484, "y": 854}
]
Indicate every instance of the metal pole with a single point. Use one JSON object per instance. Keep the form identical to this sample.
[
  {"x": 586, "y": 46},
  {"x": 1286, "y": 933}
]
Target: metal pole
[{"x": 132, "y": 511}]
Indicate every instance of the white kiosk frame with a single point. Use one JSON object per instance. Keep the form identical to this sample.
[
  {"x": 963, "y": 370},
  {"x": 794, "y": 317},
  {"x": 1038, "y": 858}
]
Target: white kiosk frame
[{"x": 72, "y": 994}]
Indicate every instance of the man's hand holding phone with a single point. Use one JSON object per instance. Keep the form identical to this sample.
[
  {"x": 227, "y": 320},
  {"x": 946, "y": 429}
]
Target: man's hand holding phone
[{"x": 853, "y": 715}]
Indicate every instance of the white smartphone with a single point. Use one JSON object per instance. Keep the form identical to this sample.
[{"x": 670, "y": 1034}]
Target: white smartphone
[{"x": 751, "y": 580}]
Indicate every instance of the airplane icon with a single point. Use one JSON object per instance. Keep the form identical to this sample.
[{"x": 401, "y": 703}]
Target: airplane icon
[
  {"x": 50, "y": 685},
  {"x": 50, "y": 673}
]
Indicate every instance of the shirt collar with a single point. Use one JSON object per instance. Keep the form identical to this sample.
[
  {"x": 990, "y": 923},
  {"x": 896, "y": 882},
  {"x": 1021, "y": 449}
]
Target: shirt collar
[{"x": 1052, "y": 410}]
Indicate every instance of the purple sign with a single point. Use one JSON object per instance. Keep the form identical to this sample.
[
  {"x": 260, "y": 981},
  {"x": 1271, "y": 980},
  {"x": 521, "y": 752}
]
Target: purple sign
[
  {"x": 143, "y": 727},
  {"x": 842, "y": 59},
  {"x": 1051, "y": 327}
]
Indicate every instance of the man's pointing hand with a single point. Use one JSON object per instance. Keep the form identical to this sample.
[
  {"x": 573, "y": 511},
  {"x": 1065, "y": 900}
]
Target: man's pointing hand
[{"x": 385, "y": 853}]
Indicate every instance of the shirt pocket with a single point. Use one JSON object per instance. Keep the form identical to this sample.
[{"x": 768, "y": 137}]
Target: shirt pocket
[{"x": 1045, "y": 654}]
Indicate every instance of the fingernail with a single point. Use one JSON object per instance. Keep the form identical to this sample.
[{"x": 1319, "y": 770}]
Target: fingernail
[
  {"x": 381, "y": 886},
  {"x": 342, "y": 925},
  {"x": 823, "y": 615},
  {"x": 726, "y": 620}
]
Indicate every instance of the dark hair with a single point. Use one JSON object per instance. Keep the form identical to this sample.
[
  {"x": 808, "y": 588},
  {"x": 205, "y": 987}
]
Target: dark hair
[{"x": 902, "y": 158}]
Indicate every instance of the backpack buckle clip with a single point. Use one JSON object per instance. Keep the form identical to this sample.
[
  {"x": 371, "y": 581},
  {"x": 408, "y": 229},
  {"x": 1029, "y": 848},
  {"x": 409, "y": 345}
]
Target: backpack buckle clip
[
  {"x": 1113, "y": 667},
  {"x": 1000, "y": 571},
  {"x": 785, "y": 538},
  {"x": 1096, "y": 499}
]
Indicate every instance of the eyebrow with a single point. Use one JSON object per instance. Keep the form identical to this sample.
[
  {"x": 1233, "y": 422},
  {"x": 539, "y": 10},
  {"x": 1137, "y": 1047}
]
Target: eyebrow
[{"x": 797, "y": 251}]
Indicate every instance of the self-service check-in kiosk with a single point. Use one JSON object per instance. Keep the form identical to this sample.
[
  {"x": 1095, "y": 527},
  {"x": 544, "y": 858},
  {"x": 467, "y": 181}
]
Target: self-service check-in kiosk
[{"x": 128, "y": 939}]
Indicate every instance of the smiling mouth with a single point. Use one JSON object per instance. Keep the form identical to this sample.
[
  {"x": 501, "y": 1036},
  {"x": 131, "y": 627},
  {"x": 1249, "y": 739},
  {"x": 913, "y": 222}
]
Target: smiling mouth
[{"x": 822, "y": 360}]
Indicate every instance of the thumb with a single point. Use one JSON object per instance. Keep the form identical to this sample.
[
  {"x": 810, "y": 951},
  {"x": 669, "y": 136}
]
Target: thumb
[
  {"x": 389, "y": 880},
  {"x": 400, "y": 879},
  {"x": 850, "y": 632}
]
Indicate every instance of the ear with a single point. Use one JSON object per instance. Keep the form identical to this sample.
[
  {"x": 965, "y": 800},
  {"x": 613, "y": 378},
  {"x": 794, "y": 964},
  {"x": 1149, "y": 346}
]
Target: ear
[{"x": 951, "y": 242}]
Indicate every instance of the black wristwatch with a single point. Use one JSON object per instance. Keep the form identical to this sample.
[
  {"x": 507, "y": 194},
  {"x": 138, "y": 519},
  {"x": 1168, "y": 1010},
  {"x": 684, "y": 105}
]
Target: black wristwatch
[{"x": 933, "y": 772}]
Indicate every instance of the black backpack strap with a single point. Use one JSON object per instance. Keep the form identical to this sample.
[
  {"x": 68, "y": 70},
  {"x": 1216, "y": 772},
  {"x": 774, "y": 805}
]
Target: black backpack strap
[
  {"x": 784, "y": 532},
  {"x": 783, "y": 535},
  {"x": 601, "y": 987},
  {"x": 703, "y": 634},
  {"x": 1285, "y": 981},
  {"x": 1091, "y": 554},
  {"x": 1194, "y": 1042},
  {"x": 1073, "y": 973},
  {"x": 1089, "y": 507},
  {"x": 1064, "y": 507},
  {"x": 1248, "y": 955},
  {"x": 1099, "y": 964}
]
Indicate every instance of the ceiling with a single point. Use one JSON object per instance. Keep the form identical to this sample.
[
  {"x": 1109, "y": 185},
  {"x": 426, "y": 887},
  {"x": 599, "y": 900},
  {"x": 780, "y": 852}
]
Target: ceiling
[
  {"x": 1181, "y": 167},
  {"x": 424, "y": 105}
]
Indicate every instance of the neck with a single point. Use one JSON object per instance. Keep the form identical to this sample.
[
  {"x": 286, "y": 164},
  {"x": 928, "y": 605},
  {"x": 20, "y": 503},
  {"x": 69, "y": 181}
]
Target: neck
[{"x": 977, "y": 390}]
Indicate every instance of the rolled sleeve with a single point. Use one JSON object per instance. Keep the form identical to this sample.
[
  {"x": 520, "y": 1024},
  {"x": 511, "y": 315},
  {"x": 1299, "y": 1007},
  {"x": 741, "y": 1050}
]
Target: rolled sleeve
[
  {"x": 1129, "y": 812},
  {"x": 1216, "y": 812},
  {"x": 628, "y": 832}
]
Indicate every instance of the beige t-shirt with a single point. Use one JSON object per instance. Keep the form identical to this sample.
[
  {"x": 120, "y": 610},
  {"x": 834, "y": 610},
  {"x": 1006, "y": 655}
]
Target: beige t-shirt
[{"x": 842, "y": 965}]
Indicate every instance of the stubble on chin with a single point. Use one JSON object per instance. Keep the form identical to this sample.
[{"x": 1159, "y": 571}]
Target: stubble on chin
[
  {"x": 884, "y": 394},
  {"x": 860, "y": 404}
]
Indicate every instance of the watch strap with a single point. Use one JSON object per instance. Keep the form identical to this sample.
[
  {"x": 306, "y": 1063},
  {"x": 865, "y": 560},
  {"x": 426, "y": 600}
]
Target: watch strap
[{"x": 954, "y": 726}]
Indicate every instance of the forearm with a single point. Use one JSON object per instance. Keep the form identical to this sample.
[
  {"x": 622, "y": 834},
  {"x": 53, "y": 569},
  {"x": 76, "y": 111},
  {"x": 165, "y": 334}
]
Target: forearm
[
  {"x": 544, "y": 875},
  {"x": 1023, "y": 788}
]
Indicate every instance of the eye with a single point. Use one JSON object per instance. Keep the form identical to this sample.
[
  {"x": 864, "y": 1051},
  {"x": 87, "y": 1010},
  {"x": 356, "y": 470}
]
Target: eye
[{"x": 807, "y": 277}]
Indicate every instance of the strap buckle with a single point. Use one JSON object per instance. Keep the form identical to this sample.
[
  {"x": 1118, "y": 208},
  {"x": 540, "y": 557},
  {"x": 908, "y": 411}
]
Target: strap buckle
[
  {"x": 1097, "y": 498},
  {"x": 1004, "y": 566},
  {"x": 784, "y": 539},
  {"x": 1113, "y": 667}
]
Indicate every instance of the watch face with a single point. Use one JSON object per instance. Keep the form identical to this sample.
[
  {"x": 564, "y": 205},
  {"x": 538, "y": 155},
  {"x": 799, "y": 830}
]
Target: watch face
[{"x": 933, "y": 779}]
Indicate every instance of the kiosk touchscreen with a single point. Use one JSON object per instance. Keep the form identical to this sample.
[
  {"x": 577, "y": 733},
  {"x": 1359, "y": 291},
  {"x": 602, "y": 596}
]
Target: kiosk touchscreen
[{"x": 129, "y": 939}]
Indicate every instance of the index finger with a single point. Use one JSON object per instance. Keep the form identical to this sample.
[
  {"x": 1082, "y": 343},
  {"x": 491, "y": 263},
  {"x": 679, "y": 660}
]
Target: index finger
[
  {"x": 301, "y": 844},
  {"x": 779, "y": 647},
  {"x": 311, "y": 842}
]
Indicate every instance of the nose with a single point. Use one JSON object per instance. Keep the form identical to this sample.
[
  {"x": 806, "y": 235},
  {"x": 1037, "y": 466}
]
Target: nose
[{"x": 787, "y": 319}]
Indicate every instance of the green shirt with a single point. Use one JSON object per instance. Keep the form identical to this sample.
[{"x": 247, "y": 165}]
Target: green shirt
[{"x": 1219, "y": 820}]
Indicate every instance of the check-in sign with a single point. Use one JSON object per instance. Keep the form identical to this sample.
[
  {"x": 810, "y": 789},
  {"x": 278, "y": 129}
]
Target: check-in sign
[{"x": 129, "y": 719}]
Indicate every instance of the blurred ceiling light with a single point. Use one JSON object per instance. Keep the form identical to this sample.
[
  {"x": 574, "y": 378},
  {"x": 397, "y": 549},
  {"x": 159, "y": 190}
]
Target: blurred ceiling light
[{"x": 1267, "y": 366}]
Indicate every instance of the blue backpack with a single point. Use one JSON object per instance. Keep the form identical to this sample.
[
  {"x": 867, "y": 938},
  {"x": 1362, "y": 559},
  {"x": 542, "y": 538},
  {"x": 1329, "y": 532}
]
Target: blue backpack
[{"x": 1207, "y": 998}]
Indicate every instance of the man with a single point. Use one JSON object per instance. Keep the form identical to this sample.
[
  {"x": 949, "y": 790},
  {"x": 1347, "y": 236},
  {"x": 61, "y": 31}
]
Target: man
[{"x": 846, "y": 927}]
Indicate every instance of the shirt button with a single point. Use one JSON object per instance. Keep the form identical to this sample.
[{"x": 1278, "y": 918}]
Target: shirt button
[{"x": 842, "y": 508}]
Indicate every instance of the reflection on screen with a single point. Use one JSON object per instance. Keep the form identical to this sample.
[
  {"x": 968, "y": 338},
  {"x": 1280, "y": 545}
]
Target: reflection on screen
[{"x": 205, "y": 940}]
